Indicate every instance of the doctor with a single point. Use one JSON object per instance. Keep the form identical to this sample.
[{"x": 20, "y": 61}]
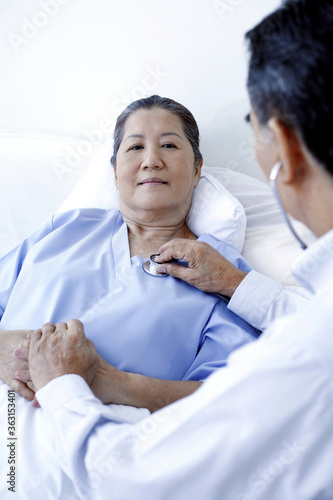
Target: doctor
[{"x": 261, "y": 428}]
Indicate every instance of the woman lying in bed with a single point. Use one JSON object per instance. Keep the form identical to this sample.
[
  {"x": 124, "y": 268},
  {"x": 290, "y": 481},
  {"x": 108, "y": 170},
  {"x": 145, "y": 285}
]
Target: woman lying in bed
[{"x": 158, "y": 336}]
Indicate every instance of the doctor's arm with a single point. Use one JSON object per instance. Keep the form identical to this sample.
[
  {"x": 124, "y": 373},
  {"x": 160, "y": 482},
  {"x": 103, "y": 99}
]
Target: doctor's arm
[
  {"x": 224, "y": 419},
  {"x": 254, "y": 297}
]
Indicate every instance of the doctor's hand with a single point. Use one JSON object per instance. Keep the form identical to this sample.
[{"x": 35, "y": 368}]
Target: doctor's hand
[
  {"x": 14, "y": 366},
  {"x": 207, "y": 269},
  {"x": 60, "y": 349}
]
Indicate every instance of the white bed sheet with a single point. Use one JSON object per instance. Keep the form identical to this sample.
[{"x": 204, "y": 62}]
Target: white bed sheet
[{"x": 38, "y": 475}]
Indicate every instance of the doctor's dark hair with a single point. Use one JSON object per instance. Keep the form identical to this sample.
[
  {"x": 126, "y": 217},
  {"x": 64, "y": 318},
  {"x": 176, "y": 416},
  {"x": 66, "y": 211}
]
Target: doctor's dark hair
[
  {"x": 189, "y": 124},
  {"x": 291, "y": 72}
]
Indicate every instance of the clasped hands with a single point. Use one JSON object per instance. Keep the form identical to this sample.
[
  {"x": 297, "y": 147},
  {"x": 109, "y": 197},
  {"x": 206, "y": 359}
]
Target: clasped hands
[{"x": 45, "y": 354}]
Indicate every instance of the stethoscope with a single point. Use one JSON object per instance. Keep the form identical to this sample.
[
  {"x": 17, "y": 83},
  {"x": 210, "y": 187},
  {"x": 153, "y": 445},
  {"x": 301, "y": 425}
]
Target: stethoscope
[
  {"x": 273, "y": 175},
  {"x": 150, "y": 266}
]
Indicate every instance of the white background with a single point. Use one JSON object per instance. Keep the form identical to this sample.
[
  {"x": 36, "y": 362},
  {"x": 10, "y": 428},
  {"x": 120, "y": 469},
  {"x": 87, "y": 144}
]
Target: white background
[{"x": 68, "y": 68}]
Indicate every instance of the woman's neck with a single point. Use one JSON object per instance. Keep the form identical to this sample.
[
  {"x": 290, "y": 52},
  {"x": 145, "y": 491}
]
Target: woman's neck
[{"x": 145, "y": 240}]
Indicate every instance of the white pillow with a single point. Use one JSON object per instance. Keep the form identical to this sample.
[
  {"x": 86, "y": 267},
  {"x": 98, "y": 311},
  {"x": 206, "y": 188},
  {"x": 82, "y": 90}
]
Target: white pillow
[
  {"x": 214, "y": 209},
  {"x": 269, "y": 245},
  {"x": 219, "y": 202}
]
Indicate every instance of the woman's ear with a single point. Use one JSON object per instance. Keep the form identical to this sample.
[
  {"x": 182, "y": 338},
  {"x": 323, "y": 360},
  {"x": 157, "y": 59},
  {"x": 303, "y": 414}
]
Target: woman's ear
[
  {"x": 289, "y": 151},
  {"x": 197, "y": 174},
  {"x": 115, "y": 176}
]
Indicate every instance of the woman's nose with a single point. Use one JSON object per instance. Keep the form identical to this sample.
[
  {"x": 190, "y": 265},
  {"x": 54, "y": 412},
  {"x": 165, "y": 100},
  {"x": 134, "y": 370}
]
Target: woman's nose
[{"x": 152, "y": 159}]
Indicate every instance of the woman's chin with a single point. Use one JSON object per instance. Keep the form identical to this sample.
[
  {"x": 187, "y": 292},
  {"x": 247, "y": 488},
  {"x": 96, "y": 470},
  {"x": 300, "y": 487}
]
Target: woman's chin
[
  {"x": 153, "y": 212},
  {"x": 153, "y": 203}
]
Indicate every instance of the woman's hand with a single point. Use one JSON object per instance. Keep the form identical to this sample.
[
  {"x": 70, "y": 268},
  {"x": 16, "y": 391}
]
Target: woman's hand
[
  {"x": 207, "y": 269},
  {"x": 14, "y": 365}
]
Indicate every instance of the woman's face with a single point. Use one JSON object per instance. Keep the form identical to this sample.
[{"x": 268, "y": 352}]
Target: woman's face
[{"x": 155, "y": 165}]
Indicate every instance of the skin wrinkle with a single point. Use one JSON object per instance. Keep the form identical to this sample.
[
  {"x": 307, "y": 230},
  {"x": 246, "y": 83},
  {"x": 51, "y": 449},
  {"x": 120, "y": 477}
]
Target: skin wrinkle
[{"x": 162, "y": 135}]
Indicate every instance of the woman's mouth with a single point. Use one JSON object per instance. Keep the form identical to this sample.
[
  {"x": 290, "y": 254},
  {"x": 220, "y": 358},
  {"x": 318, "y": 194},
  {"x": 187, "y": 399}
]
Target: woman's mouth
[{"x": 153, "y": 180}]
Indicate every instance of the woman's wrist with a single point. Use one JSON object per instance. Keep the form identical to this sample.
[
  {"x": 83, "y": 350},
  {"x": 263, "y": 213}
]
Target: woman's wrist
[{"x": 109, "y": 383}]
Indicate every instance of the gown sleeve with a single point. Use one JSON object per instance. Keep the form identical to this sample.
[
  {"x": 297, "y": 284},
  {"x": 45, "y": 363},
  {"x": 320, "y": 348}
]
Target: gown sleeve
[
  {"x": 11, "y": 263},
  {"x": 223, "y": 333}
]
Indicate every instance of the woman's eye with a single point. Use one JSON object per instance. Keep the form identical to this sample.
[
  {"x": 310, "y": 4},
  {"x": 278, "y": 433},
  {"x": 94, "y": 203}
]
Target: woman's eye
[
  {"x": 135, "y": 148},
  {"x": 168, "y": 145}
]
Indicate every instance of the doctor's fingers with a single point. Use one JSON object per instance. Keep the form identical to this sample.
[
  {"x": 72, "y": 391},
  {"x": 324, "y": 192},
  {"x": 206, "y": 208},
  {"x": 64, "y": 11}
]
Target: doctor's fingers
[
  {"x": 41, "y": 335},
  {"x": 75, "y": 332},
  {"x": 47, "y": 329},
  {"x": 175, "y": 270},
  {"x": 191, "y": 276},
  {"x": 51, "y": 329},
  {"x": 181, "y": 248},
  {"x": 70, "y": 332},
  {"x": 75, "y": 326}
]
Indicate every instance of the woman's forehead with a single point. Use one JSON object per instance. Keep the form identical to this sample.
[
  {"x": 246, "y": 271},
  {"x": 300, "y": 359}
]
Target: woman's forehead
[{"x": 156, "y": 120}]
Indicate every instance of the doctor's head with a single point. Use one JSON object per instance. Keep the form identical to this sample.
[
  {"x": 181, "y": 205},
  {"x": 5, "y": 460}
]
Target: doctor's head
[
  {"x": 290, "y": 82},
  {"x": 156, "y": 156}
]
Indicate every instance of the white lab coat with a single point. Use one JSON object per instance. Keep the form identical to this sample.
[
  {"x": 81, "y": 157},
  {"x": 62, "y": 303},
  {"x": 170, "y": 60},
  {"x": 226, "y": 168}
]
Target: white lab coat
[
  {"x": 261, "y": 428},
  {"x": 259, "y": 300}
]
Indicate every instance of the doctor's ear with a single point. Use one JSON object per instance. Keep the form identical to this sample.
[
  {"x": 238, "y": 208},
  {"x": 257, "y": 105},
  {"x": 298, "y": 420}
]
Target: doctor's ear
[{"x": 290, "y": 150}]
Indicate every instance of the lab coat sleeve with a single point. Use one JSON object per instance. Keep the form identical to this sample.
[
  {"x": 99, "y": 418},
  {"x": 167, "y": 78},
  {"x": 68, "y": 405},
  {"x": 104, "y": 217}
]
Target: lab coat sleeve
[
  {"x": 11, "y": 263},
  {"x": 250, "y": 432},
  {"x": 259, "y": 300}
]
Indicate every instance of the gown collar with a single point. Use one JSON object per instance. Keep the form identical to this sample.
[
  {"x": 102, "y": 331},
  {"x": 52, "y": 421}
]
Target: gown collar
[
  {"x": 120, "y": 247},
  {"x": 121, "y": 251}
]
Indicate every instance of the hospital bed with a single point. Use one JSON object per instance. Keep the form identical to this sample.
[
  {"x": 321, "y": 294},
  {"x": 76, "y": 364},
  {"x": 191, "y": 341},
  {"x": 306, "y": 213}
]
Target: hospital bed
[{"x": 70, "y": 68}]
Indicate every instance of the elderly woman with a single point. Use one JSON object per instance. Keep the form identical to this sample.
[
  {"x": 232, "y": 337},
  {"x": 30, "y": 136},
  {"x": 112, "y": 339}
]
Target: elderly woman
[{"x": 158, "y": 337}]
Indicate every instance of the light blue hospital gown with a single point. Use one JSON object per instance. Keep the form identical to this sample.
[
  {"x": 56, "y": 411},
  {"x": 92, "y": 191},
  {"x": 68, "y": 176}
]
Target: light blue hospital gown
[{"x": 78, "y": 265}]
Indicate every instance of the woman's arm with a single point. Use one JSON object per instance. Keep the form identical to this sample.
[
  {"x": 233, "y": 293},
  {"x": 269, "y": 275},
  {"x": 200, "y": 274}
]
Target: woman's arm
[{"x": 111, "y": 385}]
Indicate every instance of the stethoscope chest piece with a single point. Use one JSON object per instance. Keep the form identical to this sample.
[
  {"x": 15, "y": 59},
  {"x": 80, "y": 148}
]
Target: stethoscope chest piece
[{"x": 150, "y": 267}]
